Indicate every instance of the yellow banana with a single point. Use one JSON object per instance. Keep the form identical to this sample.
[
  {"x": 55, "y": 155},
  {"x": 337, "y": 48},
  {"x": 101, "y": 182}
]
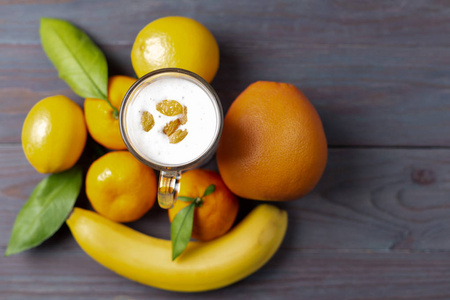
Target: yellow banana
[{"x": 202, "y": 266}]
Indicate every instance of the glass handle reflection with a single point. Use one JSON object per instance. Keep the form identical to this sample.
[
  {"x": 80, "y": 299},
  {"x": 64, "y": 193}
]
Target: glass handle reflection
[{"x": 169, "y": 183}]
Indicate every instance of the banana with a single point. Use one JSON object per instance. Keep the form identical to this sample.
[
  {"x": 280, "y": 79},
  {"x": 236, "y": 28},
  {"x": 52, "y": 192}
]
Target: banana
[{"x": 202, "y": 266}]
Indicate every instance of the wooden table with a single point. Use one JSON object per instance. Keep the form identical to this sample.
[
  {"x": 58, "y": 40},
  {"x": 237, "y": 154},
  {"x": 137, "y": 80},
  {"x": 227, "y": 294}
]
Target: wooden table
[{"x": 378, "y": 224}]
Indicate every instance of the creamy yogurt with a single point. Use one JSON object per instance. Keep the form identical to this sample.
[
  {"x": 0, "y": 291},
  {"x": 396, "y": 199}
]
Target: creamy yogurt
[{"x": 202, "y": 121}]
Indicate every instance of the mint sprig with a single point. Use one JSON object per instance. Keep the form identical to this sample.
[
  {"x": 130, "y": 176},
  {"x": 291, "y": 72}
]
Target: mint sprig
[{"x": 182, "y": 224}]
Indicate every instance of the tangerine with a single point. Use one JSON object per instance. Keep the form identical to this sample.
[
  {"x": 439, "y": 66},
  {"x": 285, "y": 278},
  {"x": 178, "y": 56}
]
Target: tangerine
[
  {"x": 120, "y": 187},
  {"x": 101, "y": 119},
  {"x": 217, "y": 212}
]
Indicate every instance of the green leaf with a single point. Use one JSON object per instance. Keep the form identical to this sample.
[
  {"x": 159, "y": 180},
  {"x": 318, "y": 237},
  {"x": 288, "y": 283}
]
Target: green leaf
[
  {"x": 209, "y": 190},
  {"x": 45, "y": 211},
  {"x": 185, "y": 199},
  {"x": 181, "y": 230},
  {"x": 99, "y": 151},
  {"x": 80, "y": 63}
]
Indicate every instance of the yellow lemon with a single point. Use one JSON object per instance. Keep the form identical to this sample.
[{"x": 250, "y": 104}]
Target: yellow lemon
[
  {"x": 176, "y": 42},
  {"x": 54, "y": 134}
]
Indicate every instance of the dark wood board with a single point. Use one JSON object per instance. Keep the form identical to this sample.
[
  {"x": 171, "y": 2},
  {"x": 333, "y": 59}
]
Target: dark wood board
[
  {"x": 416, "y": 23},
  {"x": 377, "y": 226},
  {"x": 291, "y": 274},
  {"x": 377, "y": 73},
  {"x": 367, "y": 199}
]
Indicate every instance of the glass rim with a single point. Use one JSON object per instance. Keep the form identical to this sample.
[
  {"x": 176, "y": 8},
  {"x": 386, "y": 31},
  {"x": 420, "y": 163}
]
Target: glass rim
[{"x": 171, "y": 167}]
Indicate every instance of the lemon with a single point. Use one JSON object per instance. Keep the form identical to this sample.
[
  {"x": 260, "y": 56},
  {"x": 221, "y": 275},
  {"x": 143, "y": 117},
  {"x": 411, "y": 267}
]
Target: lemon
[
  {"x": 176, "y": 42},
  {"x": 54, "y": 134}
]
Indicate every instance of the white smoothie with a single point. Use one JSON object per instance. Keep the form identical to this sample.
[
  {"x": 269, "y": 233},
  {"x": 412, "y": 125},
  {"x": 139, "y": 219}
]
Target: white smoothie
[{"x": 202, "y": 121}]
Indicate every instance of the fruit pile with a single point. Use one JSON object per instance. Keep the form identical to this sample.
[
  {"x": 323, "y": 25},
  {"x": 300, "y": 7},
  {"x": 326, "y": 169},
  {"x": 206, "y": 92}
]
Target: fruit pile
[{"x": 273, "y": 148}]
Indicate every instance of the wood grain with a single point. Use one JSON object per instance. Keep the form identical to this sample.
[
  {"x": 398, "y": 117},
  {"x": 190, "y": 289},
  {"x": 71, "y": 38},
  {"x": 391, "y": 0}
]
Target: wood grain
[
  {"x": 366, "y": 96},
  {"x": 377, "y": 73},
  {"x": 378, "y": 224},
  {"x": 66, "y": 273},
  {"x": 274, "y": 23},
  {"x": 368, "y": 199}
]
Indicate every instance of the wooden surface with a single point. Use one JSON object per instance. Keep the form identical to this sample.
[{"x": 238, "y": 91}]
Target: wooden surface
[{"x": 378, "y": 224}]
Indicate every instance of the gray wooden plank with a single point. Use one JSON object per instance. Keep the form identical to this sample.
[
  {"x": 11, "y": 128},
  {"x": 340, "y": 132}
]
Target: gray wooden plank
[
  {"x": 377, "y": 199},
  {"x": 376, "y": 227},
  {"x": 378, "y": 224},
  {"x": 368, "y": 199},
  {"x": 377, "y": 79},
  {"x": 365, "y": 95},
  {"x": 407, "y": 23},
  {"x": 68, "y": 273}
]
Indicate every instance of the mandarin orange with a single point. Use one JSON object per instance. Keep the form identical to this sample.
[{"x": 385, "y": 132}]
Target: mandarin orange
[
  {"x": 215, "y": 216},
  {"x": 120, "y": 187},
  {"x": 101, "y": 120}
]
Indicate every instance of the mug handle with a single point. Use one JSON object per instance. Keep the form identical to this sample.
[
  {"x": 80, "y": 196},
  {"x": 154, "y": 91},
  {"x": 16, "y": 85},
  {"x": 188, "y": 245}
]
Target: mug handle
[{"x": 169, "y": 184}]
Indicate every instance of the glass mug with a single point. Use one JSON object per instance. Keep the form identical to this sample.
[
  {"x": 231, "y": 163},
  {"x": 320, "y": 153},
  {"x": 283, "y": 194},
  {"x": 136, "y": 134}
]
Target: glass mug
[{"x": 153, "y": 148}]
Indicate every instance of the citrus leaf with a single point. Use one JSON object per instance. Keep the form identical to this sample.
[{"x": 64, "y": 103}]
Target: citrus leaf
[
  {"x": 80, "y": 63},
  {"x": 185, "y": 199},
  {"x": 45, "y": 211},
  {"x": 181, "y": 230},
  {"x": 209, "y": 190},
  {"x": 98, "y": 150}
]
